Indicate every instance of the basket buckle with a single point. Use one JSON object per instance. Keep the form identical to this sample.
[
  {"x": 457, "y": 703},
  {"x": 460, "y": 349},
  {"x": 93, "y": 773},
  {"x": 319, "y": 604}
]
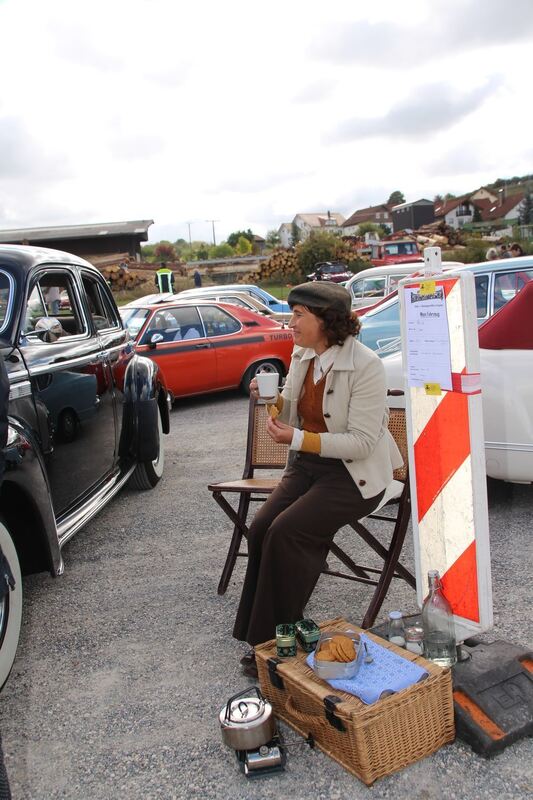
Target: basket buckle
[
  {"x": 330, "y": 702},
  {"x": 275, "y": 678}
]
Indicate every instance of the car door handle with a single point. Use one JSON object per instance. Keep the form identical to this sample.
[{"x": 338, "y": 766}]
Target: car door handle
[
  {"x": 103, "y": 355},
  {"x": 203, "y": 346}
]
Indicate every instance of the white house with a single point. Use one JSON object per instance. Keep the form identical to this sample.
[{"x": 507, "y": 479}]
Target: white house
[{"x": 307, "y": 223}]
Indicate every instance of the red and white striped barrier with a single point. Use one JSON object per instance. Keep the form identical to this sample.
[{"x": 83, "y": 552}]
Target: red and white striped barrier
[{"x": 447, "y": 459}]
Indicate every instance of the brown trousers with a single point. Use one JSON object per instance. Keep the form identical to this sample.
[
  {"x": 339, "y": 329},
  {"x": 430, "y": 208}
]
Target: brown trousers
[{"x": 289, "y": 540}]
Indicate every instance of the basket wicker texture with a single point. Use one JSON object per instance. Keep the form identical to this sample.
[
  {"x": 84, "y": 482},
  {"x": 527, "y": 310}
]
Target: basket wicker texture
[{"x": 377, "y": 739}]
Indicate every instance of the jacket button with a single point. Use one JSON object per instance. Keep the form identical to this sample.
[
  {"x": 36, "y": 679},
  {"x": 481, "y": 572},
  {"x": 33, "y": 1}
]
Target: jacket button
[
  {"x": 329, "y": 391},
  {"x": 362, "y": 483},
  {"x": 349, "y": 460},
  {"x": 327, "y": 416}
]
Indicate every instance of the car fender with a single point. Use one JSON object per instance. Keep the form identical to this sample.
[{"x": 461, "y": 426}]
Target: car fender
[
  {"x": 145, "y": 396},
  {"x": 26, "y": 501}
]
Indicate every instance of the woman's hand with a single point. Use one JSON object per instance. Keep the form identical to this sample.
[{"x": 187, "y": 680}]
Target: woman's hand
[
  {"x": 279, "y": 431},
  {"x": 254, "y": 391}
]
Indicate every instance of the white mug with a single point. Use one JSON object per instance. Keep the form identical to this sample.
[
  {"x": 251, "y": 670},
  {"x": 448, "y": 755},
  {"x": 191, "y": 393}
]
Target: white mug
[{"x": 267, "y": 384}]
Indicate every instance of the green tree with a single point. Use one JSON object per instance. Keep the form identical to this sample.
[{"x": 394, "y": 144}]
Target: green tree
[
  {"x": 272, "y": 239},
  {"x": 233, "y": 238},
  {"x": 396, "y": 198},
  {"x": 449, "y": 196},
  {"x": 295, "y": 234},
  {"x": 368, "y": 227},
  {"x": 320, "y": 246},
  {"x": 222, "y": 250},
  {"x": 243, "y": 246},
  {"x": 438, "y": 198},
  {"x": 147, "y": 252}
]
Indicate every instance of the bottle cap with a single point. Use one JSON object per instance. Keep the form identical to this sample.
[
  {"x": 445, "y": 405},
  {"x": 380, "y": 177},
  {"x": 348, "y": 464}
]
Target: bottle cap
[{"x": 395, "y": 614}]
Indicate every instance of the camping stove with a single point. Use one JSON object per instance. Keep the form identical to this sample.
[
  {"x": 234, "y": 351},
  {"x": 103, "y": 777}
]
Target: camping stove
[{"x": 264, "y": 760}]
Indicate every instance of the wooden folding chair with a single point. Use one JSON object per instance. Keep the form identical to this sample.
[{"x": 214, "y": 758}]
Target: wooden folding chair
[
  {"x": 264, "y": 454},
  {"x": 397, "y": 498}
]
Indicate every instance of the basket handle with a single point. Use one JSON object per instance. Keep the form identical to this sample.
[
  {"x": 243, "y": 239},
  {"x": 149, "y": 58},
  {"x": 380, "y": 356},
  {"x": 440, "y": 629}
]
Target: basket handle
[{"x": 329, "y": 718}]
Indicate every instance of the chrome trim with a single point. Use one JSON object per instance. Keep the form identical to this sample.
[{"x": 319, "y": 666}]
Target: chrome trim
[
  {"x": 62, "y": 365},
  {"x": 20, "y": 374},
  {"x": 514, "y": 447},
  {"x": 10, "y": 300},
  {"x": 78, "y": 518},
  {"x": 21, "y": 389}
]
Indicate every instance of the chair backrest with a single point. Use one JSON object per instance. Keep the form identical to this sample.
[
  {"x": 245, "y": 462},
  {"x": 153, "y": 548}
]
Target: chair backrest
[
  {"x": 398, "y": 430},
  {"x": 261, "y": 451}
]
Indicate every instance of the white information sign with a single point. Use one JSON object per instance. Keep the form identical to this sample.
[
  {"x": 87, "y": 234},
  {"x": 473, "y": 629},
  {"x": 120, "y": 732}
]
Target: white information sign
[{"x": 427, "y": 336}]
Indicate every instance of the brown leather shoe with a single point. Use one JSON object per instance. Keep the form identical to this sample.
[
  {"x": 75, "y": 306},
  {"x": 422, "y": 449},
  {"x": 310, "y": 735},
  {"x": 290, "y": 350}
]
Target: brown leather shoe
[
  {"x": 248, "y": 658},
  {"x": 250, "y": 670}
]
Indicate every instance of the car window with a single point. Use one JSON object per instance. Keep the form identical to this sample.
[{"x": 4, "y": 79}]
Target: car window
[
  {"x": 235, "y": 301},
  {"x": 6, "y": 298},
  {"x": 53, "y": 296},
  {"x": 482, "y": 295},
  {"x": 394, "y": 281},
  {"x": 374, "y": 287},
  {"x": 174, "y": 324},
  {"x": 508, "y": 284},
  {"x": 357, "y": 288},
  {"x": 134, "y": 319},
  {"x": 218, "y": 322},
  {"x": 102, "y": 314}
]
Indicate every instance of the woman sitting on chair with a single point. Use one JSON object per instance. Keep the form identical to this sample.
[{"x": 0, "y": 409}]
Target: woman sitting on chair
[{"x": 332, "y": 413}]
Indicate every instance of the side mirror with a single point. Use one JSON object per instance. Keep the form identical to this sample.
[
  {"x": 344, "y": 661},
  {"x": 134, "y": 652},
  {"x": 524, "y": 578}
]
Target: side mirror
[{"x": 154, "y": 339}]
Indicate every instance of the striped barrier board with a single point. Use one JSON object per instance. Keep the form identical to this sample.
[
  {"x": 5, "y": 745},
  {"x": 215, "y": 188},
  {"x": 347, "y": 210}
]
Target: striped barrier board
[{"x": 446, "y": 444}]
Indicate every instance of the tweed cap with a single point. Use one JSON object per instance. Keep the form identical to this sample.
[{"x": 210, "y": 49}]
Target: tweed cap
[{"x": 321, "y": 294}]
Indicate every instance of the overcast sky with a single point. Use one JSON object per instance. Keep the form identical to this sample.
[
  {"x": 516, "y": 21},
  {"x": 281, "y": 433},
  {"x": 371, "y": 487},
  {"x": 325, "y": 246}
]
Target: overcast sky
[{"x": 248, "y": 113}]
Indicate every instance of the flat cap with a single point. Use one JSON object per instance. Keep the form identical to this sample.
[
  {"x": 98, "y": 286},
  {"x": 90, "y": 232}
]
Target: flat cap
[{"x": 321, "y": 294}]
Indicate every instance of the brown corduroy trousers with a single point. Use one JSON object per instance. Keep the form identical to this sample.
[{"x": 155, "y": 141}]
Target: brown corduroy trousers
[{"x": 289, "y": 540}]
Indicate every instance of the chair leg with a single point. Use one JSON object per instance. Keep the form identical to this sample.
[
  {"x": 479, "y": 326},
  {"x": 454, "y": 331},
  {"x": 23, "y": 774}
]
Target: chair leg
[
  {"x": 240, "y": 529},
  {"x": 389, "y": 566},
  {"x": 345, "y": 559},
  {"x": 382, "y": 551}
]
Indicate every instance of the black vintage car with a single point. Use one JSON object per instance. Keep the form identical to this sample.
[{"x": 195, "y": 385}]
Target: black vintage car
[{"x": 86, "y": 414}]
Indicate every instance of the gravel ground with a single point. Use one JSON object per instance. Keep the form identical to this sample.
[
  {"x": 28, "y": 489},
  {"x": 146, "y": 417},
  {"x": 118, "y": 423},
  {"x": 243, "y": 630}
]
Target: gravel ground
[{"x": 126, "y": 660}]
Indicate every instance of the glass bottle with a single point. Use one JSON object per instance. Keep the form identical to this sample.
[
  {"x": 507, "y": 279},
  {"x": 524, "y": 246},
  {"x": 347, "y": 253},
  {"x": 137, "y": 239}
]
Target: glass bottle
[
  {"x": 396, "y": 628},
  {"x": 437, "y": 620}
]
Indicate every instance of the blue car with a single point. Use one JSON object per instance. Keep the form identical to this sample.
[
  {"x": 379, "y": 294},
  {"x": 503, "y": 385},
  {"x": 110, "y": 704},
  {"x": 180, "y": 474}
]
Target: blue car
[
  {"x": 497, "y": 282},
  {"x": 255, "y": 291}
]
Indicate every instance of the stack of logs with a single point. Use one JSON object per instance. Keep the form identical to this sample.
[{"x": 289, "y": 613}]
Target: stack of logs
[{"x": 282, "y": 263}]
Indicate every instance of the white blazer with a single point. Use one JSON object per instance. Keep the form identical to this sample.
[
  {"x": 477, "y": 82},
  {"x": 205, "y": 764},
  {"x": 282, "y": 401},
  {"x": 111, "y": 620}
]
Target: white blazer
[{"x": 355, "y": 413}]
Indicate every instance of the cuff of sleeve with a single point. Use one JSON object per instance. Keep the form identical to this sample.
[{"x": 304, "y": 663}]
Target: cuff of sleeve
[
  {"x": 297, "y": 439},
  {"x": 311, "y": 442}
]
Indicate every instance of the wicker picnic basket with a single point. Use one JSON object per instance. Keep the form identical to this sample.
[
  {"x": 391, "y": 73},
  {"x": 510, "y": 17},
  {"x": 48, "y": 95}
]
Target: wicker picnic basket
[{"x": 368, "y": 740}]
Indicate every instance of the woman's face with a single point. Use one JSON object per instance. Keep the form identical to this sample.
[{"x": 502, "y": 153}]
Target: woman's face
[{"x": 307, "y": 330}]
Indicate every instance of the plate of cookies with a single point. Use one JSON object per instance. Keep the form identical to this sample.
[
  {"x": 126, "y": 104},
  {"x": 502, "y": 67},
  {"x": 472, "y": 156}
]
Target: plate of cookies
[{"x": 336, "y": 655}]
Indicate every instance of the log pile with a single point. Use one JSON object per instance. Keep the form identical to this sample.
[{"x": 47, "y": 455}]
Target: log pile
[
  {"x": 123, "y": 278},
  {"x": 282, "y": 263}
]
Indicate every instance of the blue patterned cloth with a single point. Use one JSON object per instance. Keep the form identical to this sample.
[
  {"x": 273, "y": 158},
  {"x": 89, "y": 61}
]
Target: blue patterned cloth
[{"x": 387, "y": 673}]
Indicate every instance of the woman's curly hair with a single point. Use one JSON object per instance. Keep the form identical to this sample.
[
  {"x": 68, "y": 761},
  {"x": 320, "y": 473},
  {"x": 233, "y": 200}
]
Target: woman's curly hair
[{"x": 337, "y": 325}]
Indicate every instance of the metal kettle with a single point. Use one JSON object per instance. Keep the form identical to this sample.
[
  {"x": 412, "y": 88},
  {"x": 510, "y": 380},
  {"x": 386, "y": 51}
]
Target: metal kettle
[{"x": 247, "y": 720}]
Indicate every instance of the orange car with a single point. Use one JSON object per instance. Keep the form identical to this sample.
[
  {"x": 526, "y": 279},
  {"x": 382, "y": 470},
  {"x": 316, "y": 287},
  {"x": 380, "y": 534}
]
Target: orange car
[{"x": 207, "y": 347}]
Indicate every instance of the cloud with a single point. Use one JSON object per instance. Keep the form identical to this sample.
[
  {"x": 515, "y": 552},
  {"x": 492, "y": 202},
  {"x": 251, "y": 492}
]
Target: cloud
[
  {"x": 132, "y": 147},
  {"x": 313, "y": 92},
  {"x": 259, "y": 183},
  {"x": 429, "y": 109},
  {"x": 22, "y": 156},
  {"x": 386, "y": 44}
]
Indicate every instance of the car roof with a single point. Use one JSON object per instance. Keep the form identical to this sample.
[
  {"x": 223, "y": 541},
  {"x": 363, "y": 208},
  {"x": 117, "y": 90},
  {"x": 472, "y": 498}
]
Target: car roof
[
  {"x": 501, "y": 264},
  {"x": 26, "y": 257}
]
